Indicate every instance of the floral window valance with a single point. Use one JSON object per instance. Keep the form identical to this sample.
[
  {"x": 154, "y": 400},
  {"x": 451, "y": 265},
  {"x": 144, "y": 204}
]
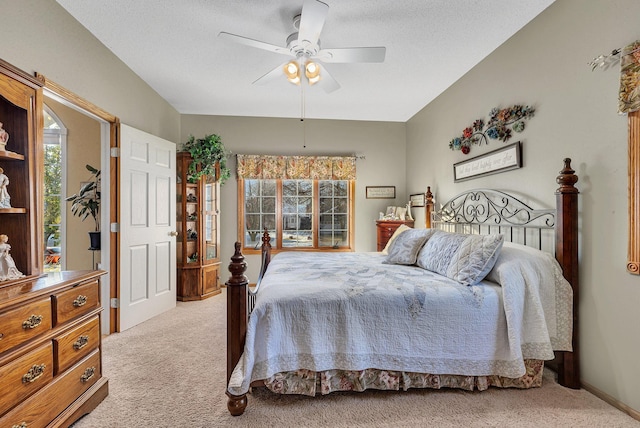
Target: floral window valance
[{"x": 296, "y": 167}]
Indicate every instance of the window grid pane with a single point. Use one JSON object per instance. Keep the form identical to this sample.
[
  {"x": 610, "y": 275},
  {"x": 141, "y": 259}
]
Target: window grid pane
[
  {"x": 259, "y": 211},
  {"x": 334, "y": 213},
  {"x": 297, "y": 213}
]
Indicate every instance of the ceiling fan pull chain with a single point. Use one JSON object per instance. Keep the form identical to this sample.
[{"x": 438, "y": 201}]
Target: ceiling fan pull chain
[{"x": 302, "y": 113}]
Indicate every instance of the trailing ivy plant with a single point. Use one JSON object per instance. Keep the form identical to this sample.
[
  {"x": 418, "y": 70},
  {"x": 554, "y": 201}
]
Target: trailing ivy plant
[{"x": 205, "y": 152}]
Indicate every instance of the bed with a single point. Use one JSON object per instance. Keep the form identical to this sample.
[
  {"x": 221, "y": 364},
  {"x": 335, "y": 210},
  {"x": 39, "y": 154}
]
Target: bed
[{"x": 471, "y": 301}]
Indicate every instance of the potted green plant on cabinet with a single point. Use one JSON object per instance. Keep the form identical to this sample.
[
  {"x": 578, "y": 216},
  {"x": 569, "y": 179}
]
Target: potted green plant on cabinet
[
  {"x": 86, "y": 203},
  {"x": 206, "y": 152}
]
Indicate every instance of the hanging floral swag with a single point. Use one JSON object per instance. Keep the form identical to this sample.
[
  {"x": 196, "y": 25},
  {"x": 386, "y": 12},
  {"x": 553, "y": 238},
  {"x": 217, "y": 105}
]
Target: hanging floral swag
[{"x": 501, "y": 123}]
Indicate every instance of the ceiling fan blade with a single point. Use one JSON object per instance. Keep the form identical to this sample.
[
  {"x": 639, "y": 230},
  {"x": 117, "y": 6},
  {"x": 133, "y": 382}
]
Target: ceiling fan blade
[
  {"x": 254, "y": 43},
  {"x": 327, "y": 82},
  {"x": 372, "y": 54},
  {"x": 271, "y": 76},
  {"x": 312, "y": 19}
]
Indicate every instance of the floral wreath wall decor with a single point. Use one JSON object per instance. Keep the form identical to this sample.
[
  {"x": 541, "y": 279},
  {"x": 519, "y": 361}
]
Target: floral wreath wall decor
[{"x": 501, "y": 123}]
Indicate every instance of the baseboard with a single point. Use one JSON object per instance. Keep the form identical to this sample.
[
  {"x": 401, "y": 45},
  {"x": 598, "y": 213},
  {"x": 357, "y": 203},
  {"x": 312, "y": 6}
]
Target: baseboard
[{"x": 635, "y": 414}]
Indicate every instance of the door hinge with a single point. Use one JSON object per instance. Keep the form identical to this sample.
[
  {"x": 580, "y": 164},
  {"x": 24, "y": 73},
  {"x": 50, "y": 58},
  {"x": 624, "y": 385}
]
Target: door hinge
[
  {"x": 115, "y": 303},
  {"x": 115, "y": 152},
  {"x": 114, "y": 227}
]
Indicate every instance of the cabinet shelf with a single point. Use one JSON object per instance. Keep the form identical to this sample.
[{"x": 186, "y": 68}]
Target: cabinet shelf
[
  {"x": 8, "y": 155},
  {"x": 13, "y": 210}
]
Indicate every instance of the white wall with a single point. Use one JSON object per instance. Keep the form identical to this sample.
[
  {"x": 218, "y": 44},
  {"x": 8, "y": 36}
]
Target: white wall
[
  {"x": 40, "y": 36},
  {"x": 382, "y": 144},
  {"x": 545, "y": 65}
]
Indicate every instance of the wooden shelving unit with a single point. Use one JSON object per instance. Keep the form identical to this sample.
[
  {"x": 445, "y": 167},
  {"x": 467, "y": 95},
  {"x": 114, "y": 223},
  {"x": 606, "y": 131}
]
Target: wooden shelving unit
[{"x": 198, "y": 224}]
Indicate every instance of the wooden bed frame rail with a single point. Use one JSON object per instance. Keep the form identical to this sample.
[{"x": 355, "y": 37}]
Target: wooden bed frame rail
[{"x": 240, "y": 298}]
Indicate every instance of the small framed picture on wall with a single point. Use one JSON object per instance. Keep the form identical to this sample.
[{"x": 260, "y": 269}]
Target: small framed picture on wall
[
  {"x": 381, "y": 192},
  {"x": 417, "y": 200}
]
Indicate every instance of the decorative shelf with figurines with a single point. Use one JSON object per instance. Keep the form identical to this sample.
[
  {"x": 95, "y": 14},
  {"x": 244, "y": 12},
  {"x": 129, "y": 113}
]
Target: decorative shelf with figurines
[{"x": 21, "y": 153}]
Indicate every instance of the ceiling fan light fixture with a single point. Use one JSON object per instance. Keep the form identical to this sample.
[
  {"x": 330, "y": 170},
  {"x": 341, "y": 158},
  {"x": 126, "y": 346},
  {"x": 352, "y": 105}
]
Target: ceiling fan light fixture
[
  {"x": 312, "y": 71},
  {"x": 292, "y": 71}
]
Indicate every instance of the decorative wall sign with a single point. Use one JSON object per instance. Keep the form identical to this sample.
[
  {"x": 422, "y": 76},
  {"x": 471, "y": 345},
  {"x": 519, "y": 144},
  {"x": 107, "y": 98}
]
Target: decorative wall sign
[
  {"x": 501, "y": 160},
  {"x": 501, "y": 123},
  {"x": 417, "y": 200},
  {"x": 381, "y": 192}
]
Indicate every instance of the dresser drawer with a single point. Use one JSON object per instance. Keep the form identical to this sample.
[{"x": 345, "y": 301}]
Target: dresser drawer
[
  {"x": 19, "y": 325},
  {"x": 25, "y": 375},
  {"x": 76, "y": 301},
  {"x": 387, "y": 232},
  {"x": 75, "y": 344},
  {"x": 49, "y": 402}
]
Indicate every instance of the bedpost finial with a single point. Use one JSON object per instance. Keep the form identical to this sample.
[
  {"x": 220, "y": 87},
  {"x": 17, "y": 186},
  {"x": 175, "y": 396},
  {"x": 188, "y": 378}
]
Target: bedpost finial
[
  {"x": 567, "y": 178},
  {"x": 266, "y": 239},
  {"x": 237, "y": 267},
  {"x": 428, "y": 195}
]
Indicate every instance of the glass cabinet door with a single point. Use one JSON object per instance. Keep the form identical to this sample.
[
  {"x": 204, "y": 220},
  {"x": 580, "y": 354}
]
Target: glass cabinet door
[{"x": 210, "y": 212}]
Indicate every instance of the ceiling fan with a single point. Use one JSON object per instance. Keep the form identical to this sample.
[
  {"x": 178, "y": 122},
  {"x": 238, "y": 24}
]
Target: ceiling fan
[{"x": 304, "y": 47}]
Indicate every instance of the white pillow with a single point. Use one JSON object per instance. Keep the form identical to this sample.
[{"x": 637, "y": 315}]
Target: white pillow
[
  {"x": 461, "y": 257},
  {"x": 397, "y": 232},
  {"x": 404, "y": 249},
  {"x": 513, "y": 256}
]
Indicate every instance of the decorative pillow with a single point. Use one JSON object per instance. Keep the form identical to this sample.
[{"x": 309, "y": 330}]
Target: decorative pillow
[
  {"x": 404, "y": 249},
  {"x": 461, "y": 257},
  {"x": 397, "y": 232}
]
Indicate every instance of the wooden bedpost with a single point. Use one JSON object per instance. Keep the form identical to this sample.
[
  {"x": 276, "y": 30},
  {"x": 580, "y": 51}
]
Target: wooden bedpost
[
  {"x": 567, "y": 255},
  {"x": 236, "y": 323},
  {"x": 266, "y": 251},
  {"x": 428, "y": 207}
]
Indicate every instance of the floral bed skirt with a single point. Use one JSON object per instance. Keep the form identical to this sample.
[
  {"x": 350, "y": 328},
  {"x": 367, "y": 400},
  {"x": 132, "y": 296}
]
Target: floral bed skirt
[{"x": 306, "y": 382}]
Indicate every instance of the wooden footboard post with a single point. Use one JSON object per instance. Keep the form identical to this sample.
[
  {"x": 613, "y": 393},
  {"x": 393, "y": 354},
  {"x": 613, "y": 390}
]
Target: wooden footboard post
[
  {"x": 567, "y": 256},
  {"x": 236, "y": 323},
  {"x": 428, "y": 207}
]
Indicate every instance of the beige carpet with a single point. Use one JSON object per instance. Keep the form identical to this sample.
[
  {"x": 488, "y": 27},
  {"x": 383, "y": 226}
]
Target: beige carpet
[{"x": 170, "y": 372}]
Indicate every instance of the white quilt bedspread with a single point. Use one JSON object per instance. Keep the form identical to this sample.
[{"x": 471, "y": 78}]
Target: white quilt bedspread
[{"x": 322, "y": 311}]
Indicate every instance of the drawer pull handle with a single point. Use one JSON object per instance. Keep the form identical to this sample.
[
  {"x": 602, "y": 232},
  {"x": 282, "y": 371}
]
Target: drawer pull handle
[
  {"x": 32, "y": 322},
  {"x": 1, "y": 336},
  {"x": 34, "y": 373},
  {"x": 80, "y": 301},
  {"x": 81, "y": 342},
  {"x": 88, "y": 374},
  {"x": 22, "y": 425}
]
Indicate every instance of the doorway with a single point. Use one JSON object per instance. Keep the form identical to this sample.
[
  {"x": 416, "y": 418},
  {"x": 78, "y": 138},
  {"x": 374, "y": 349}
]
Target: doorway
[{"x": 102, "y": 129}]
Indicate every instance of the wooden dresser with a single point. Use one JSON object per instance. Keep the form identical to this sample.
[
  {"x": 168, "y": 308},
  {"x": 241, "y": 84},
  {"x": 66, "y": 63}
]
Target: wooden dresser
[
  {"x": 50, "y": 349},
  {"x": 386, "y": 229}
]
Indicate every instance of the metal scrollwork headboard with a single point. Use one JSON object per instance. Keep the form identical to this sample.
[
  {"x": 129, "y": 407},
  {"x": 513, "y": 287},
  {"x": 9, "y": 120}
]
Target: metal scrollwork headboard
[{"x": 485, "y": 211}]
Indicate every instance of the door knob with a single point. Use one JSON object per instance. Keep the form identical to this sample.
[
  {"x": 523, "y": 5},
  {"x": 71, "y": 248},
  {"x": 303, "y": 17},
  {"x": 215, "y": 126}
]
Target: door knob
[{"x": 173, "y": 233}]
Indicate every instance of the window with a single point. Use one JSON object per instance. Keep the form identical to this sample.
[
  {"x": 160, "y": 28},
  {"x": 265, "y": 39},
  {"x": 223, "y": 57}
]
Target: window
[
  {"x": 305, "y": 202},
  {"x": 299, "y": 214},
  {"x": 55, "y": 137}
]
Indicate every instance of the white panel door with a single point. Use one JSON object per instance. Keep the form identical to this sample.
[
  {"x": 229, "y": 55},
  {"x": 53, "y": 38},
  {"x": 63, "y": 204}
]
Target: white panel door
[{"x": 147, "y": 223}]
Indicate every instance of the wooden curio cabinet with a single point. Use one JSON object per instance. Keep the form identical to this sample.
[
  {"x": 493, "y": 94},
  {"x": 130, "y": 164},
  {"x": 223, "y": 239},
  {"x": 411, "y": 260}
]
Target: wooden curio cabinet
[
  {"x": 198, "y": 224},
  {"x": 22, "y": 163}
]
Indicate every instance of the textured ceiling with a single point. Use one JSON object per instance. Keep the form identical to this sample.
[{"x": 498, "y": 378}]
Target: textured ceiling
[{"x": 173, "y": 46}]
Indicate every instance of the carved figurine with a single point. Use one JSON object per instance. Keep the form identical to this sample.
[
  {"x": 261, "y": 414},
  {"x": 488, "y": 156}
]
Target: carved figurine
[
  {"x": 4, "y": 138},
  {"x": 409, "y": 216},
  {"x": 8, "y": 268},
  {"x": 5, "y": 199}
]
